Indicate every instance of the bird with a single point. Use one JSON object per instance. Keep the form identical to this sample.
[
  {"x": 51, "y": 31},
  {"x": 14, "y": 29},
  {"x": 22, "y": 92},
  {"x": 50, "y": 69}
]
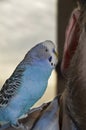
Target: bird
[{"x": 27, "y": 83}]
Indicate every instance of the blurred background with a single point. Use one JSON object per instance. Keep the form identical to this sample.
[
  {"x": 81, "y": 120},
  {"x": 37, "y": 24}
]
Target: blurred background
[{"x": 23, "y": 24}]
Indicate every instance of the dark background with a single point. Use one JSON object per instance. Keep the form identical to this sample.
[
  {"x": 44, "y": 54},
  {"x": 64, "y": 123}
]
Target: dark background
[{"x": 64, "y": 9}]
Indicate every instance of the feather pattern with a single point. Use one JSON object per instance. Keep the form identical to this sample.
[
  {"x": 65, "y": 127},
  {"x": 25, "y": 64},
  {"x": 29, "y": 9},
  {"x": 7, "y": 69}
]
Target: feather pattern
[{"x": 11, "y": 86}]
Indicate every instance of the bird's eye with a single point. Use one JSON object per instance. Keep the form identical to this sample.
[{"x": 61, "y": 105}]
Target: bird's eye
[{"x": 46, "y": 50}]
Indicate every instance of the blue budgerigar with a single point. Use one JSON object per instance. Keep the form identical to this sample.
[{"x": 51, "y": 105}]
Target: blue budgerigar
[{"x": 28, "y": 82}]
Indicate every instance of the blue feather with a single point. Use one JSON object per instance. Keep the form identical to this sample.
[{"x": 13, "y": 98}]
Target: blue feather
[{"x": 33, "y": 86}]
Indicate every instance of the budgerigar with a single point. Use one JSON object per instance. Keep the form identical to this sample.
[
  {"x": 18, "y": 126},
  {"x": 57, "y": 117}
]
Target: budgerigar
[{"x": 28, "y": 82}]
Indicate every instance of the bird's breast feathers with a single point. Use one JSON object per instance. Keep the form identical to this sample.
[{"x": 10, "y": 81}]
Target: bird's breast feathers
[{"x": 32, "y": 88}]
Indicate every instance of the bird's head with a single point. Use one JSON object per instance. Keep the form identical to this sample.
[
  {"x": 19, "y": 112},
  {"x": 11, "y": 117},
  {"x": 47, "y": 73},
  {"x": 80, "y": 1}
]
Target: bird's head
[{"x": 44, "y": 51}]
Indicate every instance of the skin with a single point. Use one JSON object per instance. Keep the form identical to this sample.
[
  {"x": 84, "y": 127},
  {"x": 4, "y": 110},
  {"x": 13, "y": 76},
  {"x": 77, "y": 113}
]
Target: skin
[{"x": 74, "y": 96}]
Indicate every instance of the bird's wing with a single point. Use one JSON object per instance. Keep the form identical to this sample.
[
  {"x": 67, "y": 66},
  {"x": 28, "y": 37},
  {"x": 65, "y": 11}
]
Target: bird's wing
[{"x": 11, "y": 86}]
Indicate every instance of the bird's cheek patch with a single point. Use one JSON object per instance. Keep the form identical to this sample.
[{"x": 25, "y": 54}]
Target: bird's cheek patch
[{"x": 50, "y": 58}]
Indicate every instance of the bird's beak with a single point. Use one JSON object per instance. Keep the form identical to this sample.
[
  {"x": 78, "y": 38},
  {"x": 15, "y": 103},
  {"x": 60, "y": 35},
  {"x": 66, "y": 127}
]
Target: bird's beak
[{"x": 56, "y": 54}]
